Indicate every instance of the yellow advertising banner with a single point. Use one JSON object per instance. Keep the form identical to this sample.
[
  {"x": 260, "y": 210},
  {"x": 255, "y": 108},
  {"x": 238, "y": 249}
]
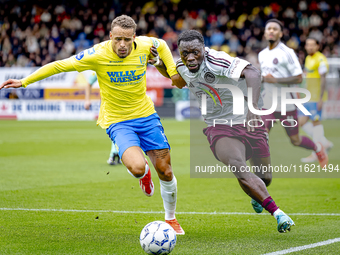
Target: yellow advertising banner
[{"x": 69, "y": 94}]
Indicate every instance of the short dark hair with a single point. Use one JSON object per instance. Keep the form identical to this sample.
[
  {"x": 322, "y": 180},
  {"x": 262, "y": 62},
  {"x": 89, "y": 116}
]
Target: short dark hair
[
  {"x": 125, "y": 22},
  {"x": 275, "y": 21},
  {"x": 313, "y": 38},
  {"x": 190, "y": 35}
]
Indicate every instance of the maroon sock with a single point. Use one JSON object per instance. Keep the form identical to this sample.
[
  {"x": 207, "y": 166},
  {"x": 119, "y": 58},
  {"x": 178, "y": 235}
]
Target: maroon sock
[
  {"x": 307, "y": 143},
  {"x": 269, "y": 205}
]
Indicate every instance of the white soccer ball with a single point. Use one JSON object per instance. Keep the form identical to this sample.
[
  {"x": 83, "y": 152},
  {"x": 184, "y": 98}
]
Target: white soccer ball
[{"x": 158, "y": 237}]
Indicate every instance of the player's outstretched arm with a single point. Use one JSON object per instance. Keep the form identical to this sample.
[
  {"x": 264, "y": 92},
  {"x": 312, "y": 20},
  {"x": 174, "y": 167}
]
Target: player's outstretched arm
[
  {"x": 253, "y": 80},
  {"x": 42, "y": 73}
]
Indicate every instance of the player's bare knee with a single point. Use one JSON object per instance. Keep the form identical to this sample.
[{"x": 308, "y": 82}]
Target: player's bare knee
[
  {"x": 168, "y": 175},
  {"x": 138, "y": 170},
  {"x": 165, "y": 171},
  {"x": 138, "y": 173}
]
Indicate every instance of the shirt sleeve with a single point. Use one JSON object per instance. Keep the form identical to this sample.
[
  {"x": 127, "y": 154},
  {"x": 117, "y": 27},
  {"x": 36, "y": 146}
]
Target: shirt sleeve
[
  {"x": 85, "y": 60},
  {"x": 165, "y": 55},
  {"x": 236, "y": 67},
  {"x": 49, "y": 70},
  {"x": 323, "y": 66},
  {"x": 293, "y": 64},
  {"x": 181, "y": 70}
]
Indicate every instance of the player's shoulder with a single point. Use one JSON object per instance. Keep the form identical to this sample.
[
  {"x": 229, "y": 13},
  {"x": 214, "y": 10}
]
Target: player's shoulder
[
  {"x": 102, "y": 46},
  {"x": 284, "y": 48},
  {"x": 179, "y": 63},
  {"x": 148, "y": 41},
  {"x": 262, "y": 56},
  {"x": 264, "y": 51},
  {"x": 217, "y": 61},
  {"x": 287, "y": 52},
  {"x": 320, "y": 56},
  {"x": 216, "y": 54},
  {"x": 143, "y": 43},
  {"x": 180, "y": 67},
  {"x": 92, "y": 54},
  {"x": 98, "y": 49},
  {"x": 143, "y": 39}
]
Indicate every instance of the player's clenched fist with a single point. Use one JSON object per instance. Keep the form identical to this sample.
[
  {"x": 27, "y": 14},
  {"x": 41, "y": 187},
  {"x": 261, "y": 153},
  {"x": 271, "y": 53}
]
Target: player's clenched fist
[
  {"x": 154, "y": 54},
  {"x": 178, "y": 81},
  {"x": 11, "y": 83}
]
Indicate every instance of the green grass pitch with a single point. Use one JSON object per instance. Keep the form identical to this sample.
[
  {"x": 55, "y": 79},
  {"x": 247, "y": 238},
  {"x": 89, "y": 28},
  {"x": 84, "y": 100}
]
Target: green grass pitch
[{"x": 62, "y": 165}]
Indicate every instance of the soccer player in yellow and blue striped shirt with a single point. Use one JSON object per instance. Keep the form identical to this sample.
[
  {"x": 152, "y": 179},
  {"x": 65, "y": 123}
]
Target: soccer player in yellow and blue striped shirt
[
  {"x": 126, "y": 112},
  {"x": 316, "y": 68}
]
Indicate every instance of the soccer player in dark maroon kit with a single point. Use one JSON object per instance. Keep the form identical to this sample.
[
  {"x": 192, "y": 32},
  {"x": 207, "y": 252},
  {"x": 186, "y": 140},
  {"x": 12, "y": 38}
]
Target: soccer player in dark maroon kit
[
  {"x": 205, "y": 72},
  {"x": 280, "y": 68}
]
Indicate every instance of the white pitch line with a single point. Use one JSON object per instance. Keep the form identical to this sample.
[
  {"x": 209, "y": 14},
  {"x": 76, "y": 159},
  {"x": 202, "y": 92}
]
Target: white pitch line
[
  {"x": 304, "y": 247},
  {"x": 159, "y": 212}
]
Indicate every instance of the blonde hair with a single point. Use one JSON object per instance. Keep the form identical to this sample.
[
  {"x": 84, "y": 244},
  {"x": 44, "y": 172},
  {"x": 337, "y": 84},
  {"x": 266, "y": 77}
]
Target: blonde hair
[{"x": 125, "y": 22}]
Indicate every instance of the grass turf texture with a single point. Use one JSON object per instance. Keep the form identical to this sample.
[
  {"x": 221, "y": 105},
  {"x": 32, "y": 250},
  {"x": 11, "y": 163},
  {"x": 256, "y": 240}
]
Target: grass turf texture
[{"x": 62, "y": 165}]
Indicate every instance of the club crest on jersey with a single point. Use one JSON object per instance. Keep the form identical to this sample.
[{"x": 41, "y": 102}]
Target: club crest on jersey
[
  {"x": 209, "y": 77},
  {"x": 142, "y": 59},
  {"x": 275, "y": 61},
  {"x": 80, "y": 55}
]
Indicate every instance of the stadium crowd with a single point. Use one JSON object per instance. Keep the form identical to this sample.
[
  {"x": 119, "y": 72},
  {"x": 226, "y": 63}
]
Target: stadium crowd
[{"x": 36, "y": 34}]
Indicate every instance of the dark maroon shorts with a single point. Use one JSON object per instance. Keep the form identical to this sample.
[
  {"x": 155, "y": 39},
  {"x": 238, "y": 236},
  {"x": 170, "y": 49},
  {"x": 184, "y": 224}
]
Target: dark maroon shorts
[
  {"x": 289, "y": 117},
  {"x": 256, "y": 142}
]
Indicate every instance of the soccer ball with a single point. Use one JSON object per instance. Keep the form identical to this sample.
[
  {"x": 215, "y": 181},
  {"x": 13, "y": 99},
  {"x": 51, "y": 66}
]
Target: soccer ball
[{"x": 158, "y": 237}]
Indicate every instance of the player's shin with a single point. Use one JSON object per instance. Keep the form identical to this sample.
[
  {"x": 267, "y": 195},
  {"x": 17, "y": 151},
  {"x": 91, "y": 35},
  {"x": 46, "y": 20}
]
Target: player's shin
[
  {"x": 169, "y": 196},
  {"x": 307, "y": 143},
  {"x": 319, "y": 135},
  {"x": 308, "y": 128}
]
